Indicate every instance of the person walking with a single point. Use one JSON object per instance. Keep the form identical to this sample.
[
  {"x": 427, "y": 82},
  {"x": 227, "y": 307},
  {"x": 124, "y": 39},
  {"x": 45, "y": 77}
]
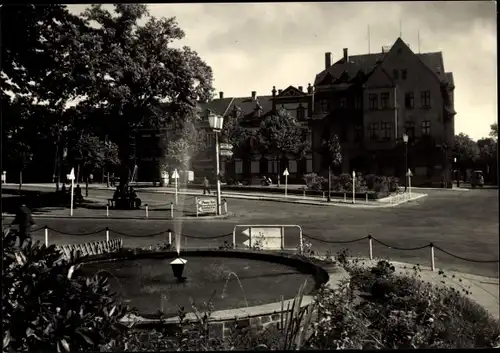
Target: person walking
[
  {"x": 206, "y": 186},
  {"x": 24, "y": 220}
]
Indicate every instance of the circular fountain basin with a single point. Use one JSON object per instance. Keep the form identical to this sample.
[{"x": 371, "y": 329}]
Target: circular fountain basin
[{"x": 228, "y": 280}]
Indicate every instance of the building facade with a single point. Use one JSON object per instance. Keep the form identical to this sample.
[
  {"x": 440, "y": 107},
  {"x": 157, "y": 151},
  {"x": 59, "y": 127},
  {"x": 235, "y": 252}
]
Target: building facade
[{"x": 369, "y": 101}]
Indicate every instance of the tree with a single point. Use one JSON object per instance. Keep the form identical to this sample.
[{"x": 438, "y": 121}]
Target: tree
[
  {"x": 281, "y": 134},
  {"x": 488, "y": 152},
  {"x": 494, "y": 130},
  {"x": 333, "y": 151},
  {"x": 128, "y": 71},
  {"x": 466, "y": 150},
  {"x": 242, "y": 139}
]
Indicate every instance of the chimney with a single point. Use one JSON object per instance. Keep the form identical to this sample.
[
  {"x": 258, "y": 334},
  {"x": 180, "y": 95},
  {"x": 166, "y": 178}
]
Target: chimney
[
  {"x": 221, "y": 95},
  {"x": 254, "y": 93},
  {"x": 309, "y": 89},
  {"x": 346, "y": 55},
  {"x": 274, "y": 91},
  {"x": 328, "y": 60},
  {"x": 301, "y": 88},
  {"x": 279, "y": 91}
]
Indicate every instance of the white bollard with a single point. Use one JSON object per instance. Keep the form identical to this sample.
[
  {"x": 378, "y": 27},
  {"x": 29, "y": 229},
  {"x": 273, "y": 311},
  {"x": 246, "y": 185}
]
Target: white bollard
[
  {"x": 169, "y": 237},
  {"x": 304, "y": 191},
  {"x": 107, "y": 234},
  {"x": 225, "y": 206},
  {"x": 433, "y": 267},
  {"x": 147, "y": 213},
  {"x": 46, "y": 236},
  {"x": 366, "y": 197},
  {"x": 171, "y": 210},
  {"x": 370, "y": 243},
  {"x": 345, "y": 197},
  {"x": 107, "y": 211},
  {"x": 323, "y": 195}
]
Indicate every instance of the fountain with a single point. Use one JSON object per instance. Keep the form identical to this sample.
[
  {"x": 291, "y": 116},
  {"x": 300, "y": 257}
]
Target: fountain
[
  {"x": 178, "y": 263},
  {"x": 239, "y": 282}
]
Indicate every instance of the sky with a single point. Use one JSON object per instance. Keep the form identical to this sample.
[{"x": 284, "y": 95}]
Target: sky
[{"x": 255, "y": 46}]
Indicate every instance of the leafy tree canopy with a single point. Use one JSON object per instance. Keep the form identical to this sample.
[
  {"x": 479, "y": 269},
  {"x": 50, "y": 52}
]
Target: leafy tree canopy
[
  {"x": 281, "y": 134},
  {"x": 494, "y": 130},
  {"x": 132, "y": 76},
  {"x": 186, "y": 143},
  {"x": 466, "y": 149},
  {"x": 333, "y": 150}
]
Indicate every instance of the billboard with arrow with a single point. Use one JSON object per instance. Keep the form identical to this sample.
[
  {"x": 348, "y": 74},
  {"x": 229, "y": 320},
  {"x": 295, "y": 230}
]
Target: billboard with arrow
[{"x": 265, "y": 238}]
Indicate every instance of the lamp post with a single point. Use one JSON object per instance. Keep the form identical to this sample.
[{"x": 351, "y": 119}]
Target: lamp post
[
  {"x": 405, "y": 140},
  {"x": 216, "y": 121}
]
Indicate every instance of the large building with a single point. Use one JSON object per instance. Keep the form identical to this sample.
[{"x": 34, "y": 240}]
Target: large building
[{"x": 369, "y": 101}]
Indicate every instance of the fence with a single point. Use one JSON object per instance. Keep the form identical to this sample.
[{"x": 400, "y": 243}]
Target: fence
[
  {"x": 172, "y": 207},
  {"x": 171, "y": 238}
]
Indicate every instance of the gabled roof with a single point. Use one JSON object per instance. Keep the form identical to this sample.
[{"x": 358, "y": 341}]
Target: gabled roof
[
  {"x": 291, "y": 91},
  {"x": 247, "y": 105},
  {"x": 366, "y": 63}
]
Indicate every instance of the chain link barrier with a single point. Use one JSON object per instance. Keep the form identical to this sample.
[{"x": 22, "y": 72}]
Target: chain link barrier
[{"x": 306, "y": 236}]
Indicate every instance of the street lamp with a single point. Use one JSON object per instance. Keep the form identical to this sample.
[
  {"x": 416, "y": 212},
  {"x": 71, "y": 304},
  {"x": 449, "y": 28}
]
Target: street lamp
[
  {"x": 216, "y": 121},
  {"x": 405, "y": 140}
]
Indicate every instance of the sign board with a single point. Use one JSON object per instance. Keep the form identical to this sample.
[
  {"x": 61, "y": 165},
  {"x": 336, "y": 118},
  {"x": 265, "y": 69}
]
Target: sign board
[
  {"x": 266, "y": 238},
  {"x": 206, "y": 205},
  {"x": 226, "y": 153},
  {"x": 409, "y": 173},
  {"x": 285, "y": 173},
  {"x": 225, "y": 146},
  {"x": 71, "y": 175},
  {"x": 175, "y": 175}
]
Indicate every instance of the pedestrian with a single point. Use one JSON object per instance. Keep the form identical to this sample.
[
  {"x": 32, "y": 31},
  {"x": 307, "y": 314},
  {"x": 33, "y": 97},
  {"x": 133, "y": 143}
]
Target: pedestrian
[
  {"x": 24, "y": 220},
  {"x": 206, "y": 186}
]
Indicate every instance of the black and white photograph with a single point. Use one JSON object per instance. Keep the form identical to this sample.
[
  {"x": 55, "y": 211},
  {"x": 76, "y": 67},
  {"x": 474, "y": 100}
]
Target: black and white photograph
[{"x": 249, "y": 176}]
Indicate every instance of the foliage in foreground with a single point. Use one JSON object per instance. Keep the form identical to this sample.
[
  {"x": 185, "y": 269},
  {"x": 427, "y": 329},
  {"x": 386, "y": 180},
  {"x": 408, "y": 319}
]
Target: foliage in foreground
[{"x": 45, "y": 309}]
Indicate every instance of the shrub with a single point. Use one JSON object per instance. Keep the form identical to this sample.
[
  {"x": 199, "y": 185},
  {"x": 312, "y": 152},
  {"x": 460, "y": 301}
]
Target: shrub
[
  {"x": 44, "y": 309},
  {"x": 315, "y": 182}
]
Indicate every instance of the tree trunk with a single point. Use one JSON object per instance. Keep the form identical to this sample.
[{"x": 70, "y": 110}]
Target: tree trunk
[
  {"x": 78, "y": 173},
  {"x": 86, "y": 186},
  {"x": 278, "y": 163}
]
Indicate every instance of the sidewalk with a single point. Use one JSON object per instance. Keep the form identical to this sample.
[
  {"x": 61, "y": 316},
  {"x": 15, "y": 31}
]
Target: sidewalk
[{"x": 390, "y": 201}]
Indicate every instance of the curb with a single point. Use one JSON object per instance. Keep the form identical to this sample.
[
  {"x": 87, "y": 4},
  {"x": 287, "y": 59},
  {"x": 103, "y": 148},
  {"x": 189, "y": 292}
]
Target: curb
[
  {"x": 191, "y": 218},
  {"x": 377, "y": 204}
]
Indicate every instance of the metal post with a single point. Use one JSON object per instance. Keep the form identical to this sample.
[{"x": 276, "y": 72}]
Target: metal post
[
  {"x": 72, "y": 196},
  {"x": 353, "y": 187},
  {"x": 217, "y": 170},
  {"x": 409, "y": 185},
  {"x": 107, "y": 234},
  {"x": 433, "y": 267},
  {"x": 196, "y": 205},
  {"x": 282, "y": 238},
  {"x": 147, "y": 211},
  {"x": 406, "y": 164},
  {"x": 176, "y": 188},
  {"x": 329, "y": 183},
  {"x": 169, "y": 236},
  {"x": 46, "y": 236},
  {"x": 370, "y": 243},
  {"x": 301, "y": 240},
  {"x": 107, "y": 211},
  {"x": 234, "y": 238},
  {"x": 171, "y": 210}
]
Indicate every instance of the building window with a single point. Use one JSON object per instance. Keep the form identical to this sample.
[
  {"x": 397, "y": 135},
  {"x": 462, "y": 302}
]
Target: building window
[
  {"x": 342, "y": 103},
  {"x": 309, "y": 165},
  {"x": 384, "y": 100},
  {"x": 292, "y": 166},
  {"x": 373, "y": 100},
  {"x": 357, "y": 102},
  {"x": 404, "y": 74},
  {"x": 395, "y": 74},
  {"x": 426, "y": 127},
  {"x": 409, "y": 100},
  {"x": 323, "y": 106},
  {"x": 255, "y": 167},
  {"x": 309, "y": 136},
  {"x": 300, "y": 112},
  {"x": 238, "y": 167},
  {"x": 272, "y": 166},
  {"x": 358, "y": 133},
  {"x": 410, "y": 130},
  {"x": 425, "y": 98},
  {"x": 343, "y": 133},
  {"x": 374, "y": 131},
  {"x": 386, "y": 131}
]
